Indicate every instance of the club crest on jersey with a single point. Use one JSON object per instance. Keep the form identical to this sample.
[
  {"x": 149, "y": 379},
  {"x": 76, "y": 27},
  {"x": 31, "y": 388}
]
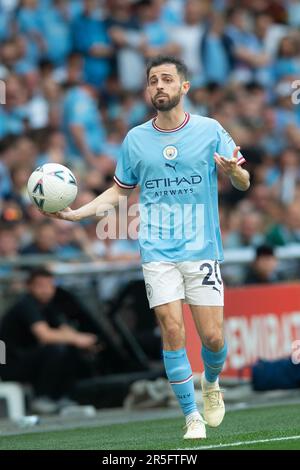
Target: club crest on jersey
[{"x": 170, "y": 152}]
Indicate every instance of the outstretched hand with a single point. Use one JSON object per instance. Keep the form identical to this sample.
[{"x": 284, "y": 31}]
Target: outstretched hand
[
  {"x": 66, "y": 214},
  {"x": 228, "y": 166}
]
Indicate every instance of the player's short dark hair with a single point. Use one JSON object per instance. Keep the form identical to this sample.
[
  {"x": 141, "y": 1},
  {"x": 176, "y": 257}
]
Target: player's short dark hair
[
  {"x": 167, "y": 59},
  {"x": 40, "y": 271},
  {"x": 264, "y": 250}
]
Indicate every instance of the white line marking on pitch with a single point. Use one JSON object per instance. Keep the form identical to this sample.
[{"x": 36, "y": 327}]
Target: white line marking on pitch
[{"x": 241, "y": 443}]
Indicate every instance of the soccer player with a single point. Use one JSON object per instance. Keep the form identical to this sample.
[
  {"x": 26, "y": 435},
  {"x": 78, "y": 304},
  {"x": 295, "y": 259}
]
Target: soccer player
[{"x": 174, "y": 159}]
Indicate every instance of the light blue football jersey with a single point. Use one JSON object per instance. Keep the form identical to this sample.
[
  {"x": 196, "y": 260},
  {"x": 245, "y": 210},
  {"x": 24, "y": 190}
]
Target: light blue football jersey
[{"x": 177, "y": 175}]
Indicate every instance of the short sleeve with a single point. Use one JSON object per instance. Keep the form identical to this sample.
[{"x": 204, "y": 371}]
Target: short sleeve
[
  {"x": 226, "y": 144},
  {"x": 124, "y": 176}
]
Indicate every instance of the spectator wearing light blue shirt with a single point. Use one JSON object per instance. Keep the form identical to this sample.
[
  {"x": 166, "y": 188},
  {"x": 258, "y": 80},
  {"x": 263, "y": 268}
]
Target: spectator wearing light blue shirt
[
  {"x": 12, "y": 113},
  {"x": 285, "y": 111},
  {"x": 112, "y": 147},
  {"x": 188, "y": 37},
  {"x": 217, "y": 48},
  {"x": 80, "y": 110},
  {"x": 83, "y": 128},
  {"x": 28, "y": 17},
  {"x": 251, "y": 60},
  {"x": 5, "y": 24},
  {"x": 130, "y": 108},
  {"x": 172, "y": 13},
  {"x": 72, "y": 8},
  {"x": 29, "y": 24},
  {"x": 57, "y": 34},
  {"x": 156, "y": 33},
  {"x": 287, "y": 64},
  {"x": 91, "y": 39}
]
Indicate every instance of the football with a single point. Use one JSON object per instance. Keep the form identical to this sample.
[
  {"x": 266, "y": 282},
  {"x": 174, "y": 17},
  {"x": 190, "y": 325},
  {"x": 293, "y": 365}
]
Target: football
[{"x": 52, "y": 187}]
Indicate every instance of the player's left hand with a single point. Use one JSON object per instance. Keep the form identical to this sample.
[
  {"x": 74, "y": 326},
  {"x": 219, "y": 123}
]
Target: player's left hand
[{"x": 229, "y": 167}]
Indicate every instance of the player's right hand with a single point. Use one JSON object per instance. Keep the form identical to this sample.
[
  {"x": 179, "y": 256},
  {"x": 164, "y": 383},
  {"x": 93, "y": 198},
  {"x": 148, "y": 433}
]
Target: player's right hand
[{"x": 66, "y": 214}]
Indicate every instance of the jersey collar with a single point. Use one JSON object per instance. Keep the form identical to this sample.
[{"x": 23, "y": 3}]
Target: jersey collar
[{"x": 185, "y": 121}]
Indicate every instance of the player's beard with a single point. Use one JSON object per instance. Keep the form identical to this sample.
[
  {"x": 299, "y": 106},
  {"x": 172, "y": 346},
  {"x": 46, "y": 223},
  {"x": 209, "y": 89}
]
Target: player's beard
[{"x": 168, "y": 103}]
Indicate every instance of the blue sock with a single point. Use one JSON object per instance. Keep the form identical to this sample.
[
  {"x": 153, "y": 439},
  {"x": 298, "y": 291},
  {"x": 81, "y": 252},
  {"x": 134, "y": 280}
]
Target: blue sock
[
  {"x": 213, "y": 362},
  {"x": 180, "y": 376}
]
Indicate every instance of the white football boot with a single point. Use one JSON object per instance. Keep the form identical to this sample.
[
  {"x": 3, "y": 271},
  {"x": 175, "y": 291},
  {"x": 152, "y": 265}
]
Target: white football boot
[
  {"x": 195, "y": 427},
  {"x": 213, "y": 403}
]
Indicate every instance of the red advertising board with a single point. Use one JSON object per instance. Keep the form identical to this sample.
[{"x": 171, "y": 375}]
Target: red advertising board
[{"x": 260, "y": 321}]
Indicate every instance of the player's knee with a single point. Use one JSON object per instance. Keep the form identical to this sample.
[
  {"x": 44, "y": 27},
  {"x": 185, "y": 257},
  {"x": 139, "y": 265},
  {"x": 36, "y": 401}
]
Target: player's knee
[
  {"x": 214, "y": 341},
  {"x": 174, "y": 335}
]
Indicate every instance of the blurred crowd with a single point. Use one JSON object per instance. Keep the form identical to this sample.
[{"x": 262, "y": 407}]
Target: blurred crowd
[{"x": 74, "y": 75}]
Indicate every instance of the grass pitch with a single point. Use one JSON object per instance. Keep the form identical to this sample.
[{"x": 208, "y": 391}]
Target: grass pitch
[{"x": 274, "y": 427}]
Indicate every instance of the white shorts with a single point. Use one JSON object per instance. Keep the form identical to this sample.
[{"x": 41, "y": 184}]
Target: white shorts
[{"x": 195, "y": 282}]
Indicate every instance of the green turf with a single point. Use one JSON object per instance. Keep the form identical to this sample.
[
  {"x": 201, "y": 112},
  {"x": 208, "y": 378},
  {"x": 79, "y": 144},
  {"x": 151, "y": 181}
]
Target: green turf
[{"x": 242, "y": 425}]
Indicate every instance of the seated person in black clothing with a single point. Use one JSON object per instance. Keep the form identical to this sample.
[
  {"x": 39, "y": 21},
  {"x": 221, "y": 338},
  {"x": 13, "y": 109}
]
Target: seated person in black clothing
[
  {"x": 51, "y": 340},
  {"x": 263, "y": 270}
]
